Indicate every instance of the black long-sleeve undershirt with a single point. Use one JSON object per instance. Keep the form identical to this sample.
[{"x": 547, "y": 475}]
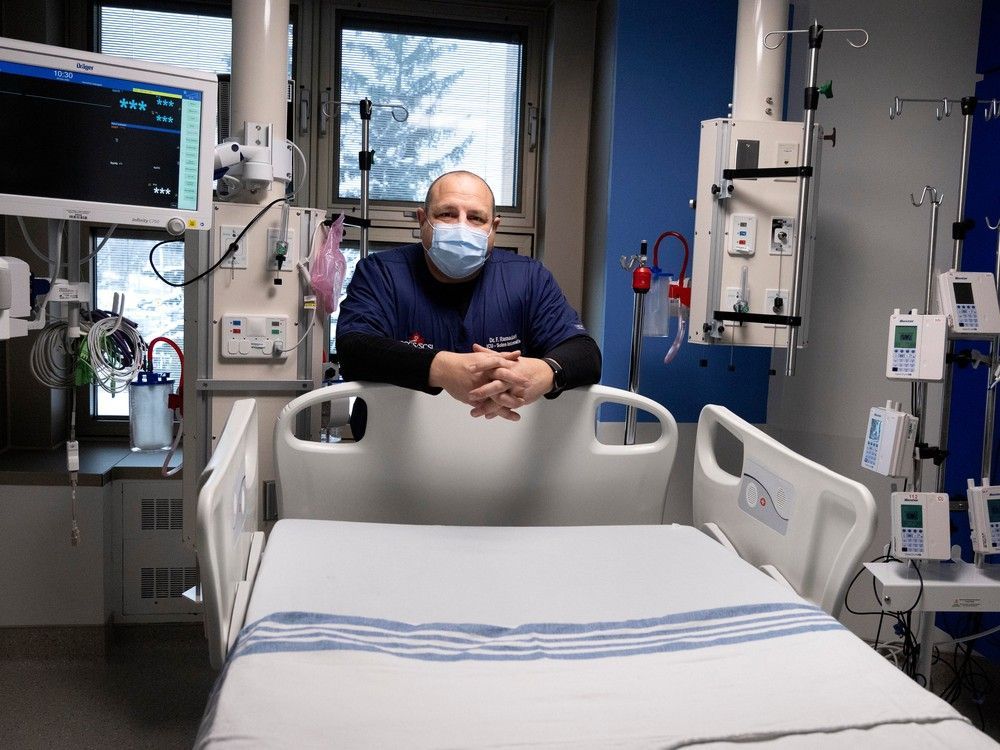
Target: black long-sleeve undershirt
[{"x": 382, "y": 360}]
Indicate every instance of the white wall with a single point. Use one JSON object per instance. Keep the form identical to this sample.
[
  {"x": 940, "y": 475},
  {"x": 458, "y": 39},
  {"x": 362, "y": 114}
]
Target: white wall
[
  {"x": 871, "y": 242},
  {"x": 48, "y": 581}
]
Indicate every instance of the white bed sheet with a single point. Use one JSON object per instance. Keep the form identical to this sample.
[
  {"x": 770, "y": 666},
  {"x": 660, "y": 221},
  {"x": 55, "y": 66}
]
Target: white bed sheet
[{"x": 814, "y": 685}]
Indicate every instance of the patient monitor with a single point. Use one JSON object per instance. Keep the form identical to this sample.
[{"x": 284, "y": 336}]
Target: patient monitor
[
  {"x": 921, "y": 529},
  {"x": 91, "y": 137}
]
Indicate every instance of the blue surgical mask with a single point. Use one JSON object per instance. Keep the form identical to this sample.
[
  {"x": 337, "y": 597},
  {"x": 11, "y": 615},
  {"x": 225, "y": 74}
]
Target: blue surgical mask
[{"x": 458, "y": 250}]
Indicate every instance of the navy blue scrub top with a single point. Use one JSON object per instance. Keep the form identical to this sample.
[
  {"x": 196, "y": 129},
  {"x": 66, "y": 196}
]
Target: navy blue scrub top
[{"x": 515, "y": 304}]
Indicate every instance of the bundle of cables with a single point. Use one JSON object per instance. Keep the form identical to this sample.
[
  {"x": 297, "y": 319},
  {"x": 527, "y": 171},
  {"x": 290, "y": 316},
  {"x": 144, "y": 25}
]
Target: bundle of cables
[{"x": 108, "y": 353}]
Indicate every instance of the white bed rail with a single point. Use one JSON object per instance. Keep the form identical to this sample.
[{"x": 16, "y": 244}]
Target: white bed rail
[
  {"x": 794, "y": 518},
  {"x": 424, "y": 460},
  {"x": 229, "y": 544}
]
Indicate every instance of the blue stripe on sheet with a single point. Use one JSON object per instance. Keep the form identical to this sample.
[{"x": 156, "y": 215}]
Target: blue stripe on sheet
[{"x": 288, "y": 632}]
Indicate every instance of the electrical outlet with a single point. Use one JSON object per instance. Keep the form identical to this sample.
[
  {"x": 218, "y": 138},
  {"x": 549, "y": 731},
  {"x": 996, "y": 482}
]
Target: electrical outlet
[
  {"x": 291, "y": 257},
  {"x": 770, "y": 295},
  {"x": 226, "y": 236}
]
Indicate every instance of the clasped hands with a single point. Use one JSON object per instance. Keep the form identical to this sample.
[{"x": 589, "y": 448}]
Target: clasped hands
[{"x": 495, "y": 384}]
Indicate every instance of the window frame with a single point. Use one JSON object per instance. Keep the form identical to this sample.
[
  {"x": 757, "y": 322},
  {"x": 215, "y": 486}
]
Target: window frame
[
  {"x": 88, "y": 423},
  {"x": 528, "y": 24}
]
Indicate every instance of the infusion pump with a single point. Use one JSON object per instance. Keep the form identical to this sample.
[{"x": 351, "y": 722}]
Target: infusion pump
[
  {"x": 969, "y": 301},
  {"x": 917, "y": 346},
  {"x": 984, "y": 517},
  {"x": 889, "y": 441},
  {"x": 921, "y": 528}
]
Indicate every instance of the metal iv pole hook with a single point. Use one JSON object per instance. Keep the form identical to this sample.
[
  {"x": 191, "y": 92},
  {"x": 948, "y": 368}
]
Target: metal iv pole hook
[
  {"x": 863, "y": 43},
  {"x": 936, "y": 197}
]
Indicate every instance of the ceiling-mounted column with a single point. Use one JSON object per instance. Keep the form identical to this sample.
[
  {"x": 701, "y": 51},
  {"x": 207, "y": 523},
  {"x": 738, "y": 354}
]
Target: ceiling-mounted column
[
  {"x": 260, "y": 70},
  {"x": 759, "y": 78}
]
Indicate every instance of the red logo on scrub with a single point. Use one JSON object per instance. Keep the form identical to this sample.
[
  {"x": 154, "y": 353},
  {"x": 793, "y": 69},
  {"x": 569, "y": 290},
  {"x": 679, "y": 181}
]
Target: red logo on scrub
[{"x": 416, "y": 338}]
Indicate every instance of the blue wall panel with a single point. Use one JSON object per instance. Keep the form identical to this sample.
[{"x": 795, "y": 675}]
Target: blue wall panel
[
  {"x": 965, "y": 431},
  {"x": 674, "y": 68}
]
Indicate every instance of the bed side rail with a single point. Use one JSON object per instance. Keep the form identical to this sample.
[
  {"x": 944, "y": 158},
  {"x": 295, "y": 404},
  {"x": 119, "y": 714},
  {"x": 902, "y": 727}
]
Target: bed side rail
[
  {"x": 784, "y": 513},
  {"x": 423, "y": 459},
  {"x": 229, "y": 544}
]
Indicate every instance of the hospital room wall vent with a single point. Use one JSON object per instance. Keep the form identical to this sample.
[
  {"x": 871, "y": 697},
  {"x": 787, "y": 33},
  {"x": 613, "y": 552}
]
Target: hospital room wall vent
[
  {"x": 166, "y": 583},
  {"x": 157, "y": 566},
  {"x": 161, "y": 514}
]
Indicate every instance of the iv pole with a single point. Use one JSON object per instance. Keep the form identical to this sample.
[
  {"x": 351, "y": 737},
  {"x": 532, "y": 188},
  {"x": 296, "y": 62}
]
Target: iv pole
[
  {"x": 642, "y": 278},
  {"x": 812, "y": 92},
  {"x": 366, "y": 157},
  {"x": 959, "y": 229},
  {"x": 918, "y": 390}
]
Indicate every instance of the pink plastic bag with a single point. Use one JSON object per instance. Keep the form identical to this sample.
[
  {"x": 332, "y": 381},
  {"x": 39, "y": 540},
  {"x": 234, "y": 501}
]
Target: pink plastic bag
[{"x": 329, "y": 267}]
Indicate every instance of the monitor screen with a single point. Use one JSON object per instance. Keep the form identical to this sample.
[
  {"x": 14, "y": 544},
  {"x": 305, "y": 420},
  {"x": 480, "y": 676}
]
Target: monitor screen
[
  {"x": 963, "y": 293},
  {"x": 912, "y": 516},
  {"x": 906, "y": 337},
  {"x": 104, "y": 139}
]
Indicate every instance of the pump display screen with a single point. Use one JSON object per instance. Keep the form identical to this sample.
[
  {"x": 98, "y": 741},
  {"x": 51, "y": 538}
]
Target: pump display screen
[
  {"x": 874, "y": 430},
  {"x": 912, "y": 516},
  {"x": 993, "y": 506},
  {"x": 906, "y": 337},
  {"x": 963, "y": 293},
  {"x": 72, "y": 135}
]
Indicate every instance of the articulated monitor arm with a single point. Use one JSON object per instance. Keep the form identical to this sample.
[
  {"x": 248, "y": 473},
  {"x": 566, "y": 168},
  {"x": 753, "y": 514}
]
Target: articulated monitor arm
[{"x": 257, "y": 161}]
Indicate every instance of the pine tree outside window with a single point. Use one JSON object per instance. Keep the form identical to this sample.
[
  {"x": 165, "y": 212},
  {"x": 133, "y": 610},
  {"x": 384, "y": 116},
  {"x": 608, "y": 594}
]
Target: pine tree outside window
[{"x": 464, "y": 98}]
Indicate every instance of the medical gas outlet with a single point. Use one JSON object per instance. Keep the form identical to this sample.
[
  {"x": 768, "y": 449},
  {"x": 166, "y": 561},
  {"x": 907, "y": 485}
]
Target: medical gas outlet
[
  {"x": 743, "y": 237},
  {"x": 253, "y": 336}
]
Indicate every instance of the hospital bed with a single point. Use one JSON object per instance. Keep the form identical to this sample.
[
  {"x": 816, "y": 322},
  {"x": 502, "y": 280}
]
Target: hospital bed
[{"x": 450, "y": 582}]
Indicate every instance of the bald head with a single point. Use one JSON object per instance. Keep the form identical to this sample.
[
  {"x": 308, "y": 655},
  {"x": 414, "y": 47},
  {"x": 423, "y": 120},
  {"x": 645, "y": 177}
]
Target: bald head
[{"x": 459, "y": 175}]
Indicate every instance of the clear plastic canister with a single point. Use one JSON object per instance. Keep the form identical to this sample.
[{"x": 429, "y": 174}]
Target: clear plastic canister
[
  {"x": 656, "y": 307},
  {"x": 151, "y": 422}
]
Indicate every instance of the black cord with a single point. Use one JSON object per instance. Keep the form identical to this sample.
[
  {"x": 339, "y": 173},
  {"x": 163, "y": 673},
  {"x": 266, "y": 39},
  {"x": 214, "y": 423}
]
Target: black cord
[
  {"x": 233, "y": 247},
  {"x": 882, "y": 558}
]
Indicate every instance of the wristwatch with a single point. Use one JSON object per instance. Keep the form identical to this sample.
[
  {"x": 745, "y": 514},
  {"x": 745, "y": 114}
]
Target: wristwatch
[{"x": 558, "y": 376}]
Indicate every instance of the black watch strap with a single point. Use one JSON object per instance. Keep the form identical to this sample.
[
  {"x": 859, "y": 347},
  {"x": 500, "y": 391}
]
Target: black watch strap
[{"x": 558, "y": 376}]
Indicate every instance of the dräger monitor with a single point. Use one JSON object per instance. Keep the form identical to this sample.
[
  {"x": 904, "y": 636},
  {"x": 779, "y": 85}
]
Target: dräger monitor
[{"x": 105, "y": 139}]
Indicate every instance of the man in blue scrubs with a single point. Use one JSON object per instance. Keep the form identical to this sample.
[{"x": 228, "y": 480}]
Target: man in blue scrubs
[{"x": 491, "y": 328}]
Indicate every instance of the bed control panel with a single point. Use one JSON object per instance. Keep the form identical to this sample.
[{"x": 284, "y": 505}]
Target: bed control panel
[
  {"x": 766, "y": 496},
  {"x": 921, "y": 528},
  {"x": 984, "y": 517}
]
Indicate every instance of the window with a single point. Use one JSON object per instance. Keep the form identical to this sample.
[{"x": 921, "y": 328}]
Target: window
[
  {"x": 188, "y": 40},
  {"x": 122, "y": 266},
  {"x": 463, "y": 96}
]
